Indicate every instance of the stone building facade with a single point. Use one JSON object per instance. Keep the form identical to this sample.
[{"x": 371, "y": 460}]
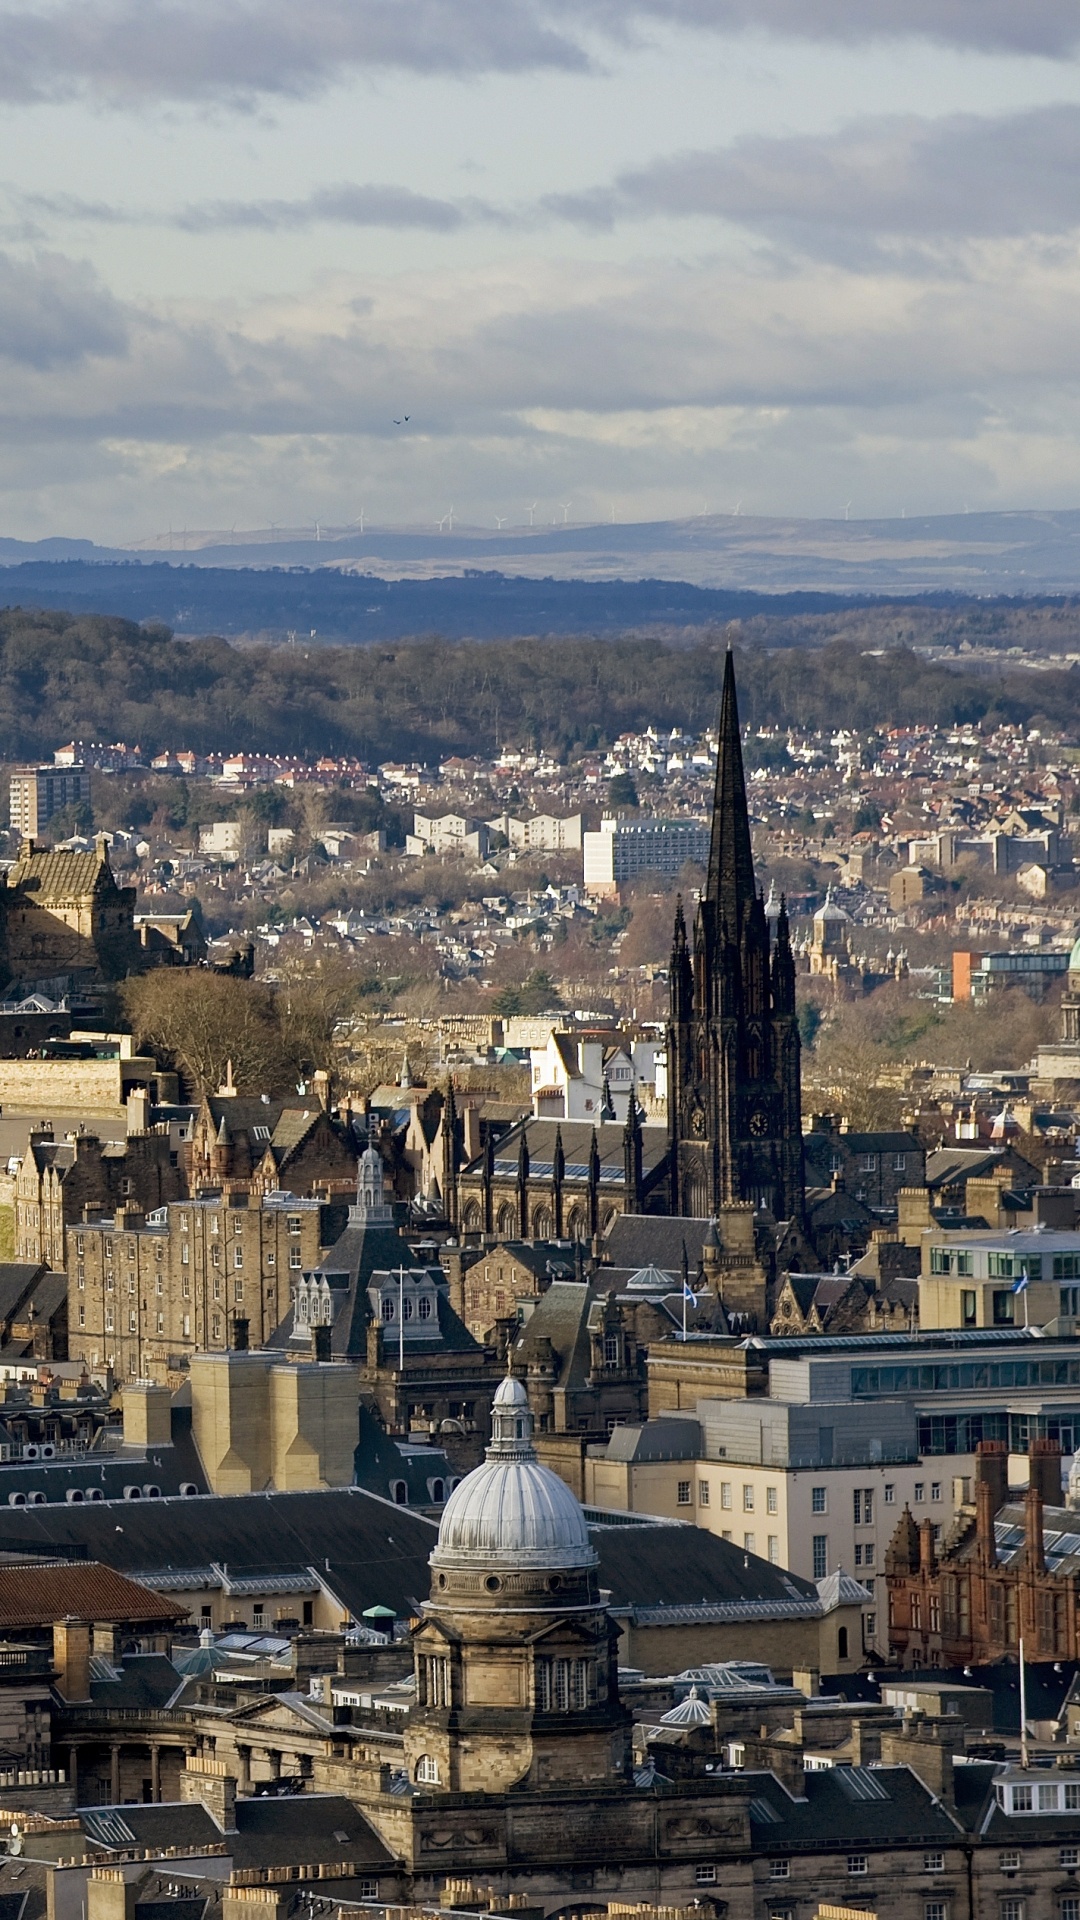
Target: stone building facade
[
  {"x": 59, "y": 1179},
  {"x": 257, "y": 1146},
  {"x": 63, "y": 917},
  {"x": 149, "y": 1290}
]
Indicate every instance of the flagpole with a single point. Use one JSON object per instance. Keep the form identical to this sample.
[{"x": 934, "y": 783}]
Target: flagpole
[{"x": 684, "y": 1311}]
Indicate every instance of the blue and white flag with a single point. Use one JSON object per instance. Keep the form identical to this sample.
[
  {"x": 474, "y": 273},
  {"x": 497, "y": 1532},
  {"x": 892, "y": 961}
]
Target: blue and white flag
[
  {"x": 689, "y": 1294},
  {"x": 1020, "y": 1286}
]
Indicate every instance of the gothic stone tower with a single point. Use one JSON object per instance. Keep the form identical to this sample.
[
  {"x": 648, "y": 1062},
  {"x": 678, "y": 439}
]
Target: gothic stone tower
[
  {"x": 734, "y": 1101},
  {"x": 516, "y": 1655}
]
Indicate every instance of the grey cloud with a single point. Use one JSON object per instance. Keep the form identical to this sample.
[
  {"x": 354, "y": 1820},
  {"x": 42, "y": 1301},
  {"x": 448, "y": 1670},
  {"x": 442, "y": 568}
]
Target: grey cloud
[
  {"x": 347, "y": 205},
  {"x": 957, "y": 177},
  {"x": 128, "y": 51},
  {"x": 55, "y": 312}
]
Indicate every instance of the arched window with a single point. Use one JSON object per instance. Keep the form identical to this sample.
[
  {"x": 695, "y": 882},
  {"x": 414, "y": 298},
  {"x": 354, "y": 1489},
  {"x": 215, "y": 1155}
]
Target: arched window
[
  {"x": 507, "y": 1220},
  {"x": 541, "y": 1223},
  {"x": 576, "y": 1224},
  {"x": 423, "y": 1306},
  {"x": 437, "y": 1491},
  {"x": 389, "y": 1308},
  {"x": 841, "y": 1643},
  {"x": 399, "y": 1493},
  {"x": 471, "y": 1218},
  {"x": 427, "y": 1770}
]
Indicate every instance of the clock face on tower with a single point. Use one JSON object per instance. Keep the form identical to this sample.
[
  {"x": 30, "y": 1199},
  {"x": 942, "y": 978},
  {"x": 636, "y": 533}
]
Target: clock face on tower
[{"x": 759, "y": 1122}]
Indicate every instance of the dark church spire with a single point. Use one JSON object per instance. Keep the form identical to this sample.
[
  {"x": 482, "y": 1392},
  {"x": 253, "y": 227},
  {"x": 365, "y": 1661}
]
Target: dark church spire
[{"x": 730, "y": 887}]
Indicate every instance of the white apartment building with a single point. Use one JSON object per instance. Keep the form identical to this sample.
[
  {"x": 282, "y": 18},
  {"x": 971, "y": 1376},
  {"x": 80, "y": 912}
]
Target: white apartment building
[
  {"x": 574, "y": 1073},
  {"x": 624, "y": 848},
  {"x": 447, "y": 833},
  {"x": 540, "y": 833}
]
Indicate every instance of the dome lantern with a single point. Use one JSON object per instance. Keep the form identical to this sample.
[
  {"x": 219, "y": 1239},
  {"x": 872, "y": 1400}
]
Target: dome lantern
[{"x": 512, "y": 1512}]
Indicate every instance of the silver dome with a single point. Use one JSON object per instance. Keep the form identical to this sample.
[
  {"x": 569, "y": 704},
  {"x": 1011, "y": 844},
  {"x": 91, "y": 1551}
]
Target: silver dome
[{"x": 511, "y": 1511}]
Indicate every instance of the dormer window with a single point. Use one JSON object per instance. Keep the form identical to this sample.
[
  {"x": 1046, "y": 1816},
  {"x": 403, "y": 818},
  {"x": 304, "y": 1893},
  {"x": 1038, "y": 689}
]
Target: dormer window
[
  {"x": 389, "y": 1308},
  {"x": 424, "y": 1306}
]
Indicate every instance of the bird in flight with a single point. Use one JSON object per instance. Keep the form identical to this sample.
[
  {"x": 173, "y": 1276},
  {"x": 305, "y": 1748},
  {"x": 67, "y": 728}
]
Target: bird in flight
[{"x": 405, "y": 421}]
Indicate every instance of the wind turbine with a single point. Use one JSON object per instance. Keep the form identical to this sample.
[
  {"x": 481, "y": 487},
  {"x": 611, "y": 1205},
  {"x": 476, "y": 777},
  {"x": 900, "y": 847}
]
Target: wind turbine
[
  {"x": 441, "y": 523},
  {"x": 847, "y": 511},
  {"x": 500, "y": 522},
  {"x": 738, "y": 509},
  {"x": 450, "y": 517},
  {"x": 318, "y": 531},
  {"x": 566, "y": 506},
  {"x": 531, "y": 510},
  {"x": 361, "y": 522}
]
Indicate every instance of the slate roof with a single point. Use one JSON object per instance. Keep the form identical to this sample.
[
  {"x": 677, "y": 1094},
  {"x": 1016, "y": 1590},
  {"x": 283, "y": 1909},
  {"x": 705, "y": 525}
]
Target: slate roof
[
  {"x": 105, "y": 1475},
  {"x": 561, "y": 1315},
  {"x": 372, "y": 1553},
  {"x": 637, "y": 1240},
  {"x": 946, "y": 1165},
  {"x": 674, "y": 1439},
  {"x": 577, "y": 1146},
  {"x": 142, "y": 1680},
  {"x": 847, "y": 1807},
  {"x": 377, "y": 1553},
  {"x": 271, "y": 1831},
  {"x": 35, "y": 1596}
]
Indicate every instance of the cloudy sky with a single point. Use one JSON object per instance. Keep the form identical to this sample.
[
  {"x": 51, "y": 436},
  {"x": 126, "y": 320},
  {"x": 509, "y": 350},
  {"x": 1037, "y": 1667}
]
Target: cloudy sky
[{"x": 634, "y": 256}]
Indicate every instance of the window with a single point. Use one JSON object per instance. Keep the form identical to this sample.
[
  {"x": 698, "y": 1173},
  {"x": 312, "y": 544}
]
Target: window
[
  {"x": 82, "y": 1316},
  {"x": 187, "y": 1326},
  {"x": 935, "y": 1489},
  {"x": 1004, "y": 1305},
  {"x": 817, "y": 1500},
  {"x": 725, "y": 1493},
  {"x": 185, "y": 1254},
  {"x": 868, "y": 1554},
  {"x": 296, "y": 1259},
  {"x": 863, "y": 1505},
  {"x": 748, "y": 1499},
  {"x": 920, "y": 1490},
  {"x": 217, "y": 1326},
  {"x": 890, "y": 1494},
  {"x": 774, "y": 1549},
  {"x": 294, "y": 1222},
  {"x": 683, "y": 1493},
  {"x": 611, "y": 1349},
  {"x": 705, "y": 1875},
  {"x": 215, "y": 1256},
  {"x": 427, "y": 1770},
  {"x": 871, "y": 1625},
  {"x": 939, "y": 1260},
  {"x": 238, "y": 1256},
  {"x": 935, "y": 1910},
  {"x": 968, "y": 1314},
  {"x": 185, "y": 1286},
  {"x": 389, "y": 1307},
  {"x": 841, "y": 1643},
  {"x": 1022, "y": 1802},
  {"x": 108, "y": 1319},
  {"x": 749, "y": 1541},
  {"x": 369, "y": 1889},
  {"x": 561, "y": 1685},
  {"x": 215, "y": 1224},
  {"x": 933, "y": 1863},
  {"x": 779, "y": 1869},
  {"x": 899, "y": 1163},
  {"x": 1048, "y": 1799},
  {"x": 821, "y": 1555},
  {"x": 1072, "y": 1798},
  {"x": 868, "y": 1163},
  {"x": 1009, "y": 1861},
  {"x": 1011, "y": 1909},
  {"x": 703, "y": 1493},
  {"x": 858, "y": 1556},
  {"x": 1069, "y": 1907},
  {"x": 424, "y": 1306},
  {"x": 772, "y": 1503},
  {"x": 238, "y": 1291},
  {"x": 161, "y": 1323},
  {"x": 82, "y": 1276},
  {"x": 1070, "y": 1857},
  {"x": 858, "y": 1863}
]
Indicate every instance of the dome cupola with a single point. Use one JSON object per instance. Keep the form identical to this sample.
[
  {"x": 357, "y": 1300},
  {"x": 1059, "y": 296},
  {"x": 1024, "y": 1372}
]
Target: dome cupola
[{"x": 511, "y": 1512}]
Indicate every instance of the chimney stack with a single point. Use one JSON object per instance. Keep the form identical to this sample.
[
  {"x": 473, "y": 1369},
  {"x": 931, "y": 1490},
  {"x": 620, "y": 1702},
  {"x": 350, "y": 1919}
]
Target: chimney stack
[
  {"x": 71, "y": 1653},
  {"x": 1044, "y": 1470}
]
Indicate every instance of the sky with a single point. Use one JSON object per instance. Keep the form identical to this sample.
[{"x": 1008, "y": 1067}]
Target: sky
[{"x": 274, "y": 264}]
